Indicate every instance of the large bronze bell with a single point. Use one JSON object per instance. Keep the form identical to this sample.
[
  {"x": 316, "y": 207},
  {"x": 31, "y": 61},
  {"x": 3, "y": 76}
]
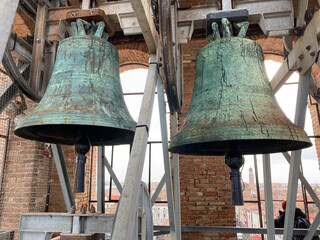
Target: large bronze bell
[
  {"x": 83, "y": 104},
  {"x": 84, "y": 96},
  {"x": 233, "y": 110}
]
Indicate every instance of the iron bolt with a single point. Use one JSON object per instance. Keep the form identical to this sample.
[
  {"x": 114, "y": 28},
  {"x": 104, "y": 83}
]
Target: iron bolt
[
  {"x": 308, "y": 47},
  {"x": 73, "y": 14},
  {"x": 38, "y": 40}
]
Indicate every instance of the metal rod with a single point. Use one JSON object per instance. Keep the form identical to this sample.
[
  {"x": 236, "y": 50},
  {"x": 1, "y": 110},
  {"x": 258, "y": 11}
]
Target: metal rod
[
  {"x": 258, "y": 192},
  {"x": 63, "y": 175},
  {"x": 110, "y": 183},
  {"x": 306, "y": 184},
  {"x": 219, "y": 229},
  {"x": 313, "y": 228},
  {"x": 127, "y": 207},
  {"x": 268, "y": 196},
  {"x": 176, "y": 181},
  {"x": 301, "y": 107},
  {"x": 167, "y": 165},
  {"x": 112, "y": 174},
  {"x": 226, "y": 4},
  {"x": 149, "y": 179},
  {"x": 158, "y": 190},
  {"x": 91, "y": 163},
  {"x": 100, "y": 181}
]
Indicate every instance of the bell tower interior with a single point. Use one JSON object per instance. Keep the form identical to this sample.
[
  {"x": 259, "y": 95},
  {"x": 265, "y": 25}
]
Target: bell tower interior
[{"x": 151, "y": 120}]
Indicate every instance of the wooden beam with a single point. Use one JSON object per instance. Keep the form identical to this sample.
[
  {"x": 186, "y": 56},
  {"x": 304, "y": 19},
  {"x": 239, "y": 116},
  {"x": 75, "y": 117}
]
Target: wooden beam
[
  {"x": 142, "y": 11},
  {"x": 38, "y": 46}
]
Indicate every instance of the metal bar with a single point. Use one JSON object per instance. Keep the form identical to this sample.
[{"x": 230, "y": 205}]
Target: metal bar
[
  {"x": 167, "y": 165},
  {"x": 306, "y": 184},
  {"x": 65, "y": 222},
  {"x": 63, "y": 175},
  {"x": 302, "y": 97},
  {"x": 100, "y": 181},
  {"x": 203, "y": 229},
  {"x": 158, "y": 190},
  {"x": 38, "y": 46},
  {"x": 313, "y": 228},
  {"x": 302, "y": 56},
  {"x": 91, "y": 163},
  {"x": 258, "y": 192},
  {"x": 149, "y": 177},
  {"x": 85, "y": 4},
  {"x": 7, "y": 13},
  {"x": 176, "y": 180},
  {"x": 226, "y": 4},
  {"x": 142, "y": 10},
  {"x": 268, "y": 196},
  {"x": 302, "y": 7},
  {"x": 124, "y": 221},
  {"x": 110, "y": 181},
  {"x": 112, "y": 174}
]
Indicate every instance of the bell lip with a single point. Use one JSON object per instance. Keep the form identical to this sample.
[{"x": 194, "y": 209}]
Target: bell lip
[
  {"x": 123, "y": 136},
  {"x": 220, "y": 148}
]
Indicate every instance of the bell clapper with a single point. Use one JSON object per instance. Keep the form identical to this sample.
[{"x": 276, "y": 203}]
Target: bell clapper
[
  {"x": 81, "y": 147},
  {"x": 235, "y": 160}
]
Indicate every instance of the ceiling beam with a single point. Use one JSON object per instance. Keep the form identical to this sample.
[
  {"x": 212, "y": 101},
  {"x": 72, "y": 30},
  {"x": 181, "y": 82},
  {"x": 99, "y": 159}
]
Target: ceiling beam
[{"x": 302, "y": 56}]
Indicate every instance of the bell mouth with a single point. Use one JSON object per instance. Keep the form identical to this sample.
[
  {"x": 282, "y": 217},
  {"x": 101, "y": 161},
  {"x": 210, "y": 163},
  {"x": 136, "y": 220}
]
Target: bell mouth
[
  {"x": 68, "y": 134},
  {"x": 245, "y": 147}
]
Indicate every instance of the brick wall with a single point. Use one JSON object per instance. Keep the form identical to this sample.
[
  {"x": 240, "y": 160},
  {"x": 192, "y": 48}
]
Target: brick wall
[{"x": 26, "y": 177}]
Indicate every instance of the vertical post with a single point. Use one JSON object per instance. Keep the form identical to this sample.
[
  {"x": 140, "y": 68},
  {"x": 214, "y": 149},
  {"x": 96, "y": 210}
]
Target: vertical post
[
  {"x": 38, "y": 46},
  {"x": 167, "y": 165},
  {"x": 268, "y": 196},
  {"x": 127, "y": 206},
  {"x": 86, "y": 4},
  {"x": 258, "y": 193},
  {"x": 7, "y": 13},
  {"x": 176, "y": 178},
  {"x": 301, "y": 107},
  {"x": 302, "y": 7},
  {"x": 63, "y": 175},
  {"x": 100, "y": 180},
  {"x": 226, "y": 4}
]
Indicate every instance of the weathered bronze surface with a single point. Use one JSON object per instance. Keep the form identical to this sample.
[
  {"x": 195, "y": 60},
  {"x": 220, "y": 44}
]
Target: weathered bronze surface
[
  {"x": 84, "y": 96},
  {"x": 233, "y": 108}
]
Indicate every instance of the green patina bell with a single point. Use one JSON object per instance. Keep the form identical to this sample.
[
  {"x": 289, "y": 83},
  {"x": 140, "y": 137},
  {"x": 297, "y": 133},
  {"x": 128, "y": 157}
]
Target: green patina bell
[
  {"x": 84, "y": 96},
  {"x": 233, "y": 107},
  {"x": 233, "y": 110}
]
